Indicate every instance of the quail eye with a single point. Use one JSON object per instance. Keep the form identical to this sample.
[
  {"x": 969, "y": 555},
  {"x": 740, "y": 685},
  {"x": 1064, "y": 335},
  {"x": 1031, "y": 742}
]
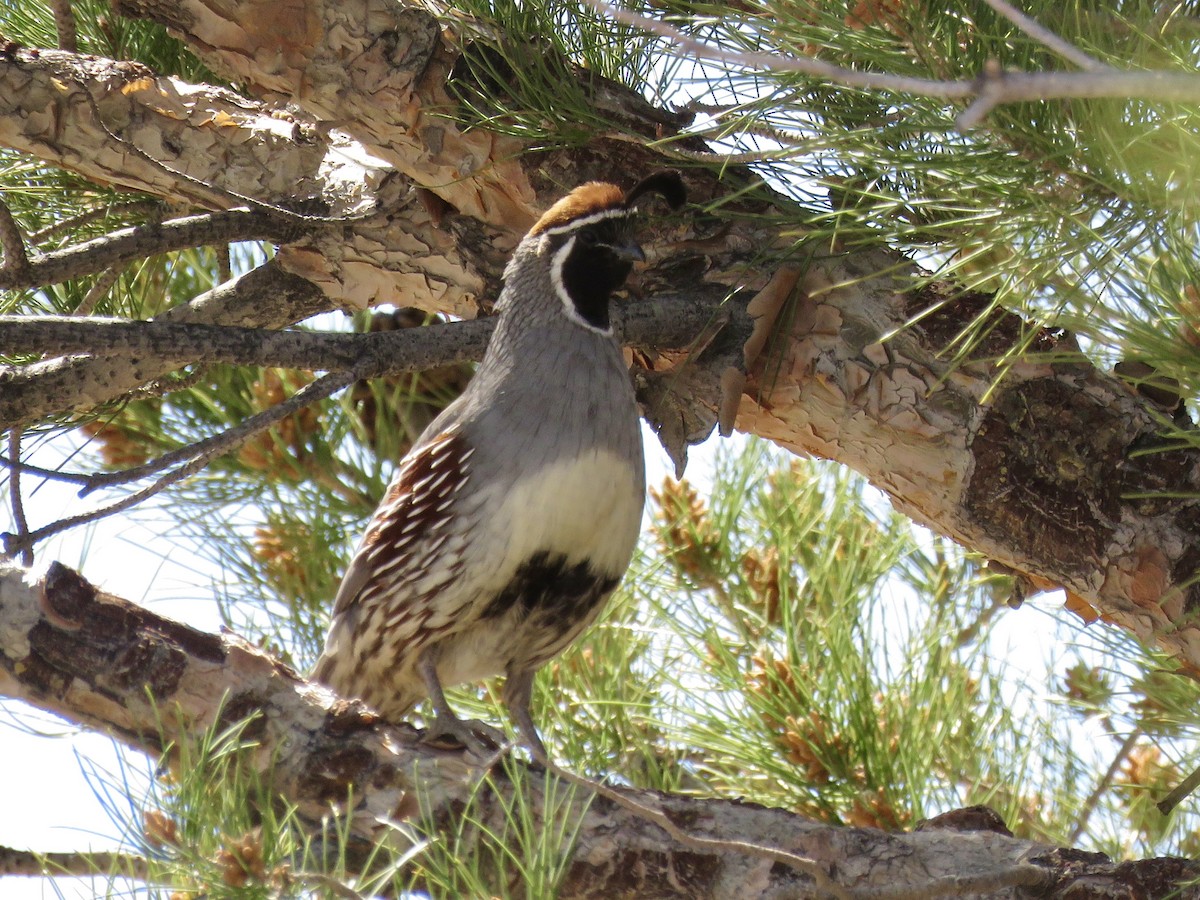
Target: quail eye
[{"x": 588, "y": 238}]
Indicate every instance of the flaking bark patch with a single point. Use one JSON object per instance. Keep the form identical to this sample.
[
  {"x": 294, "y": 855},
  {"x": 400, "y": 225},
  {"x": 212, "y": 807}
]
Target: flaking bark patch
[{"x": 1044, "y": 455}]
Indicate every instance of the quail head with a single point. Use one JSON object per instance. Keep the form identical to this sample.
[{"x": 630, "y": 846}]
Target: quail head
[{"x": 515, "y": 514}]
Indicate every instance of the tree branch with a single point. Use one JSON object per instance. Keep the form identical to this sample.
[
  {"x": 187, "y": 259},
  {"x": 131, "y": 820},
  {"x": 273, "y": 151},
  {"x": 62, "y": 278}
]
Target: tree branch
[
  {"x": 105, "y": 663},
  {"x": 25, "y": 862},
  {"x": 668, "y": 321},
  {"x": 143, "y": 241},
  {"x": 267, "y": 297},
  {"x": 12, "y": 246},
  {"x": 1046, "y": 37},
  {"x": 197, "y": 143},
  {"x": 991, "y": 88},
  {"x": 321, "y": 749}
]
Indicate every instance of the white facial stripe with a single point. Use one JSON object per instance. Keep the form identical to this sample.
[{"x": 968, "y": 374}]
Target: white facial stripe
[
  {"x": 556, "y": 278},
  {"x": 589, "y": 220}
]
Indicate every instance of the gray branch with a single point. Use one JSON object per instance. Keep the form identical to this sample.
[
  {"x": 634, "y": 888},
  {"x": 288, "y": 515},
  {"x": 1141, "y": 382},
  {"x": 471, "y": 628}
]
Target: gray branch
[
  {"x": 668, "y": 321},
  {"x": 266, "y": 297},
  {"x": 142, "y": 241}
]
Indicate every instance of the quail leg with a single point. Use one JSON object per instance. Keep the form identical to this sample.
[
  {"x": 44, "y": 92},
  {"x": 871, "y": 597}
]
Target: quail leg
[
  {"x": 518, "y": 694},
  {"x": 478, "y": 737}
]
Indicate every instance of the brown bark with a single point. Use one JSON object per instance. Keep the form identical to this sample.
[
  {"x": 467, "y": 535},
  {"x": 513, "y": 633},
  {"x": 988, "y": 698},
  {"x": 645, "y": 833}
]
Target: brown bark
[
  {"x": 113, "y": 666},
  {"x": 1048, "y": 465}
]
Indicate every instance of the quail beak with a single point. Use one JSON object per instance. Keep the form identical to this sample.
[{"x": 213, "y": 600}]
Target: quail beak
[{"x": 629, "y": 252}]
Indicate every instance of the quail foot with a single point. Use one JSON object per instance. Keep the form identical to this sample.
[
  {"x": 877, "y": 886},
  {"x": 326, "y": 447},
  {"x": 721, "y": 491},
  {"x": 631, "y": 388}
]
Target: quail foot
[{"x": 514, "y": 516}]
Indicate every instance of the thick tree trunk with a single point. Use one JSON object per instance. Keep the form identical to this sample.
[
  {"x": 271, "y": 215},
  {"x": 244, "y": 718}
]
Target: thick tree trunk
[{"x": 114, "y": 666}]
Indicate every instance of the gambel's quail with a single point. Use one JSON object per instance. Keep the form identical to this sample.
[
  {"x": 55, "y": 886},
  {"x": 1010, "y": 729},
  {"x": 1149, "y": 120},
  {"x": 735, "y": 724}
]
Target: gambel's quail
[{"x": 515, "y": 514}]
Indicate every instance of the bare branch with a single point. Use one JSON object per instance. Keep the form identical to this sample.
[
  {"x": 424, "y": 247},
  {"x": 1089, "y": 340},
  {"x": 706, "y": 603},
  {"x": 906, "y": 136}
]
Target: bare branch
[
  {"x": 151, "y": 208},
  {"x": 64, "y": 24},
  {"x": 198, "y": 455},
  {"x": 98, "y": 291},
  {"x": 266, "y": 297},
  {"x": 12, "y": 243},
  {"x": 406, "y": 350},
  {"x": 1105, "y": 782},
  {"x": 1178, "y": 793},
  {"x": 141, "y": 241},
  {"x": 14, "y": 464},
  {"x": 665, "y": 321},
  {"x": 992, "y": 88},
  {"x": 15, "y": 501},
  {"x": 1046, "y": 37},
  {"x": 26, "y": 862}
]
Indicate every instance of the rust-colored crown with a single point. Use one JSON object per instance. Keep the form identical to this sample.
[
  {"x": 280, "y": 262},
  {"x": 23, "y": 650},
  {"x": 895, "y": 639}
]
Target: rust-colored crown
[
  {"x": 599, "y": 198},
  {"x": 586, "y": 200}
]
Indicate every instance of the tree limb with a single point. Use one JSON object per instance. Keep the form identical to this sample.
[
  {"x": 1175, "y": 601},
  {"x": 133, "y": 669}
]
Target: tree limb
[
  {"x": 25, "y": 862},
  {"x": 195, "y": 143},
  {"x": 110, "y": 665},
  {"x": 205, "y": 146},
  {"x": 266, "y": 297},
  {"x": 665, "y": 322},
  {"x": 143, "y": 241},
  {"x": 991, "y": 88}
]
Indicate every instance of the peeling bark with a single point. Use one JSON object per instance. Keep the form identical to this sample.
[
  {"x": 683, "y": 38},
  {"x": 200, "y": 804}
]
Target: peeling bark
[
  {"x": 113, "y": 666},
  {"x": 372, "y": 239},
  {"x": 1042, "y": 466},
  {"x": 379, "y": 67}
]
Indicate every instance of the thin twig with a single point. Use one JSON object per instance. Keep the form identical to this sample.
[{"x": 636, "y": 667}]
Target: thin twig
[
  {"x": 15, "y": 465},
  {"x": 992, "y": 88},
  {"x": 198, "y": 455},
  {"x": 15, "y": 501},
  {"x": 16, "y": 260},
  {"x": 224, "y": 264},
  {"x": 1046, "y": 37},
  {"x": 150, "y": 207},
  {"x": 99, "y": 289},
  {"x": 26, "y": 862},
  {"x": 64, "y": 24},
  {"x": 152, "y": 238},
  {"x": 1105, "y": 782},
  {"x": 220, "y": 444},
  {"x": 1177, "y": 794}
]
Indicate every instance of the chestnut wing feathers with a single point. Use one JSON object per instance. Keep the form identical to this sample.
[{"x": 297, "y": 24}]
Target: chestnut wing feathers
[{"x": 412, "y": 547}]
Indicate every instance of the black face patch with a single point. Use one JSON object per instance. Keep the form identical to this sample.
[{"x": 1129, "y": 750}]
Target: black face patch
[
  {"x": 592, "y": 271},
  {"x": 547, "y": 586}
]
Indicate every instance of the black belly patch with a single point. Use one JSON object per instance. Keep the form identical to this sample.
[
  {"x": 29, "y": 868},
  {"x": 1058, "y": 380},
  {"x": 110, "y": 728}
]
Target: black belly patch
[{"x": 547, "y": 586}]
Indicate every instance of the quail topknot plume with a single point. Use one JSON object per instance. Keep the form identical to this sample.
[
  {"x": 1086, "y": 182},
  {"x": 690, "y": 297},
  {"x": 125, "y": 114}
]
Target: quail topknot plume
[{"x": 515, "y": 514}]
